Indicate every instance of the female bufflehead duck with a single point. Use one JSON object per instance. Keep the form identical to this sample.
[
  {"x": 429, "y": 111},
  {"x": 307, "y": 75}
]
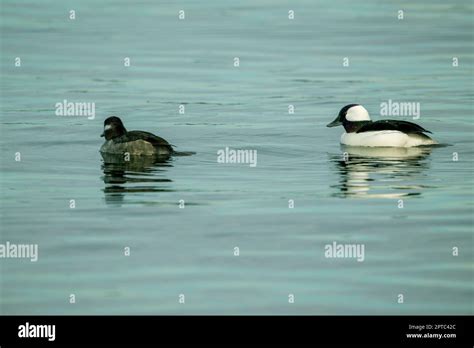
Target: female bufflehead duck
[
  {"x": 119, "y": 141},
  {"x": 361, "y": 131}
]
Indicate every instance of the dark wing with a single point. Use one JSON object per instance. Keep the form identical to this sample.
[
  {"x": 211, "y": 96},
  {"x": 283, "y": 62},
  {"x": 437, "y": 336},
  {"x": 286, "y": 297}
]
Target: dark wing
[
  {"x": 402, "y": 126},
  {"x": 149, "y": 137}
]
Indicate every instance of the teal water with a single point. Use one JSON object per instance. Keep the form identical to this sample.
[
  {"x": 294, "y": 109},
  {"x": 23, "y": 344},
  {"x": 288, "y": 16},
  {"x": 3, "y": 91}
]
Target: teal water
[{"x": 190, "y": 250}]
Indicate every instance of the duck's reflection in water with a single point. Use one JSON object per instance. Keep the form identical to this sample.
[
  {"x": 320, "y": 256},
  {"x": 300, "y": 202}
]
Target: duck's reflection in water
[
  {"x": 390, "y": 172},
  {"x": 134, "y": 175}
]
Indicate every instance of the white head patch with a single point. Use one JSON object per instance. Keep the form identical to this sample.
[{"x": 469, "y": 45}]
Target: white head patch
[
  {"x": 107, "y": 127},
  {"x": 357, "y": 113}
]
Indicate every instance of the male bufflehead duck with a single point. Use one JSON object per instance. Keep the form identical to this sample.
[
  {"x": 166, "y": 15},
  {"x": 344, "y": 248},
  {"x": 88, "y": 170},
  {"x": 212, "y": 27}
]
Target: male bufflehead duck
[
  {"x": 361, "y": 131},
  {"x": 119, "y": 141}
]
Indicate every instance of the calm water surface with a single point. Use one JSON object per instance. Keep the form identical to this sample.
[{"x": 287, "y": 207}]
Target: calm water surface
[{"x": 190, "y": 251}]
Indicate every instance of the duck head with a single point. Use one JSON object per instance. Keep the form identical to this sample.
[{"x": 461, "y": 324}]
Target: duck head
[
  {"x": 350, "y": 115},
  {"x": 113, "y": 127}
]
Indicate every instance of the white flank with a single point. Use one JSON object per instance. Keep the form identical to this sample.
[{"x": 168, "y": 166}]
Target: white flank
[{"x": 385, "y": 139}]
